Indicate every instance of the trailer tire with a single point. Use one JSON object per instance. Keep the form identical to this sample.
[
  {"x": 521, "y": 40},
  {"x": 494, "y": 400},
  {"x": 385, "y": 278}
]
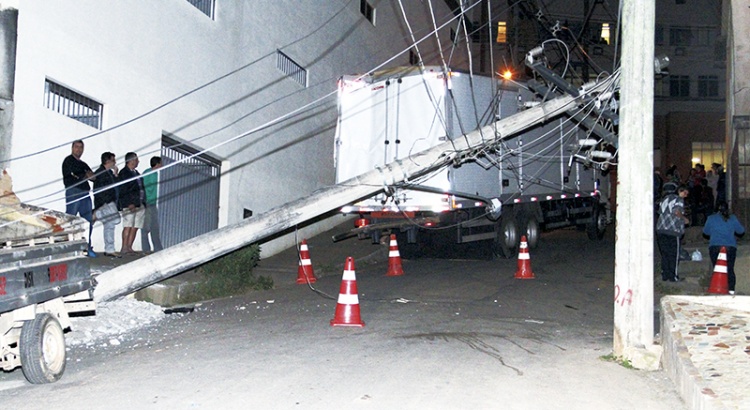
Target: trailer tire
[
  {"x": 42, "y": 348},
  {"x": 506, "y": 238},
  {"x": 532, "y": 232},
  {"x": 598, "y": 224}
]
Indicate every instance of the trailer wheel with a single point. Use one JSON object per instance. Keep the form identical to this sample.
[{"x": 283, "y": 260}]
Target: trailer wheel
[
  {"x": 506, "y": 239},
  {"x": 598, "y": 224},
  {"x": 42, "y": 347},
  {"x": 532, "y": 232}
]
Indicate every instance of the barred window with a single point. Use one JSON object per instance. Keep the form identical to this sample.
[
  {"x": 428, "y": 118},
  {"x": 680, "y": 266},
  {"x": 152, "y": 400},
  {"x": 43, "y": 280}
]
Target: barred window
[
  {"x": 205, "y": 6},
  {"x": 291, "y": 68},
  {"x": 72, "y": 104}
]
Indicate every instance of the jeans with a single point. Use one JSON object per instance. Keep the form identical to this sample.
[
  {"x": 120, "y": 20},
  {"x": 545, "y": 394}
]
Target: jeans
[
  {"x": 109, "y": 216},
  {"x": 151, "y": 228},
  {"x": 78, "y": 202},
  {"x": 713, "y": 251}
]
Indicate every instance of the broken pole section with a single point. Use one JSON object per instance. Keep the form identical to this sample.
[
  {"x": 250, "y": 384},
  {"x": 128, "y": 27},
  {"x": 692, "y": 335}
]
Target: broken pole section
[
  {"x": 634, "y": 255},
  {"x": 148, "y": 270}
]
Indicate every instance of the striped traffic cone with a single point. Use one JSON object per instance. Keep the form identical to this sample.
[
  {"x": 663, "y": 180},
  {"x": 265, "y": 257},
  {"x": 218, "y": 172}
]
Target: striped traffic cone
[
  {"x": 524, "y": 261},
  {"x": 305, "y": 270},
  {"x": 347, "y": 308},
  {"x": 720, "y": 281},
  {"x": 394, "y": 259}
]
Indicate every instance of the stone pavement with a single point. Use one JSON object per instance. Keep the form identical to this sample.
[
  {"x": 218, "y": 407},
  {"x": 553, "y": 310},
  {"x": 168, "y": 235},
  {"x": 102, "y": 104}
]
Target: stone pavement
[{"x": 706, "y": 339}]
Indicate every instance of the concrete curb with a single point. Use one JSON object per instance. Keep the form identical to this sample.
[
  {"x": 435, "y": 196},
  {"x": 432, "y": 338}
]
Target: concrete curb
[{"x": 678, "y": 366}]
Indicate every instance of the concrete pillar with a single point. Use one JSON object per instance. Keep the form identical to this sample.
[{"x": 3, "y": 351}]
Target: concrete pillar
[{"x": 634, "y": 295}]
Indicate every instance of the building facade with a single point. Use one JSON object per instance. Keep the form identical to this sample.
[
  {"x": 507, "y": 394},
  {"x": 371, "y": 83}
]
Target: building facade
[{"x": 239, "y": 96}]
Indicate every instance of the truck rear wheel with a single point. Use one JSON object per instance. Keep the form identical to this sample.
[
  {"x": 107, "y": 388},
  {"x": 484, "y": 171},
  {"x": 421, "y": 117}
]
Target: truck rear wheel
[
  {"x": 598, "y": 224},
  {"x": 532, "y": 232},
  {"x": 506, "y": 240},
  {"x": 42, "y": 347}
]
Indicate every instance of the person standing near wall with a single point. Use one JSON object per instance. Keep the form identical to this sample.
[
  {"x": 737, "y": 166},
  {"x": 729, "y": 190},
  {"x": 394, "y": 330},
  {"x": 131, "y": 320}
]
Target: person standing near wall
[
  {"x": 722, "y": 229},
  {"x": 151, "y": 222},
  {"x": 131, "y": 202},
  {"x": 76, "y": 177},
  {"x": 669, "y": 228},
  {"x": 106, "y": 210}
]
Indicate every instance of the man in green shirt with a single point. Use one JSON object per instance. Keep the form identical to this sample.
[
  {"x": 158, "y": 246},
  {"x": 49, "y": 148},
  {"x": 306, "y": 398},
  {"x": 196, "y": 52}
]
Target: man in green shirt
[{"x": 151, "y": 223}]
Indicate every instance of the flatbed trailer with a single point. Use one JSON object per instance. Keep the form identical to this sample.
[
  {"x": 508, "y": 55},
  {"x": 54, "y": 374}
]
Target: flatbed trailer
[{"x": 44, "y": 277}]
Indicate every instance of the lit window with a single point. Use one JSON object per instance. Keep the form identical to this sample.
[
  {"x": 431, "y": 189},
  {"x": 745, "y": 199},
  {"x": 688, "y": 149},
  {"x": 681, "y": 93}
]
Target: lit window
[
  {"x": 605, "y": 33},
  {"x": 72, "y": 104},
  {"x": 205, "y": 6},
  {"x": 707, "y": 153},
  {"x": 502, "y": 32}
]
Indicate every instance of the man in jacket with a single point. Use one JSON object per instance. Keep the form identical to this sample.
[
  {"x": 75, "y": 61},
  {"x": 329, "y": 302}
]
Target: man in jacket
[
  {"x": 669, "y": 228},
  {"x": 131, "y": 202}
]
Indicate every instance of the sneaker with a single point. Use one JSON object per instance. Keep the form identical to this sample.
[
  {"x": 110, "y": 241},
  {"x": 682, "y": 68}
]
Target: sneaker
[
  {"x": 90, "y": 253},
  {"x": 731, "y": 292}
]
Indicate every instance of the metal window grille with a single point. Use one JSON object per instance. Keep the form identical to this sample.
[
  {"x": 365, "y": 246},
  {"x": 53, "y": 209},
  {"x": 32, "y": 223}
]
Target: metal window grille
[
  {"x": 205, "y": 6},
  {"x": 291, "y": 69},
  {"x": 72, "y": 104}
]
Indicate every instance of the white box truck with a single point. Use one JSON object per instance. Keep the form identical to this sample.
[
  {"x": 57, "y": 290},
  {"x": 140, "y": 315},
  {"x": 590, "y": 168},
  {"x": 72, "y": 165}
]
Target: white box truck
[{"x": 551, "y": 176}]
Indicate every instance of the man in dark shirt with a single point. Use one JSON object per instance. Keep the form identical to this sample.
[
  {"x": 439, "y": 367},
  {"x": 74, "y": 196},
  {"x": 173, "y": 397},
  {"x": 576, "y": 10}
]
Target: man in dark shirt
[{"x": 76, "y": 176}]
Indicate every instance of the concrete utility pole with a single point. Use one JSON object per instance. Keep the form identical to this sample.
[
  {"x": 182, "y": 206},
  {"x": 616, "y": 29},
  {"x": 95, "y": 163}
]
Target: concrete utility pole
[
  {"x": 634, "y": 271},
  {"x": 126, "y": 279},
  {"x": 736, "y": 19}
]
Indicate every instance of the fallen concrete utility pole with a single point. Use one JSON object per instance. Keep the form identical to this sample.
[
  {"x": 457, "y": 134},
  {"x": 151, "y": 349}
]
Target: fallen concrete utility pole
[{"x": 128, "y": 278}]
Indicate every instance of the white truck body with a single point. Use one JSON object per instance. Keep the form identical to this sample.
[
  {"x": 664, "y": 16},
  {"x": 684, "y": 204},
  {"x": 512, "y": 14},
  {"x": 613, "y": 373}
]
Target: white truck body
[{"x": 536, "y": 175}]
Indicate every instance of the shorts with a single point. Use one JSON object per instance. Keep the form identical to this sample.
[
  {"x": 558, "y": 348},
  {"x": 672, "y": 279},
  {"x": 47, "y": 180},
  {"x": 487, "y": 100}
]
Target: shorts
[{"x": 134, "y": 218}]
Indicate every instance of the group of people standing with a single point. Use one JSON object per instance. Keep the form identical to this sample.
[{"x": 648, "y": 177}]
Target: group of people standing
[
  {"x": 721, "y": 227},
  {"x": 119, "y": 196},
  {"x": 706, "y": 189}
]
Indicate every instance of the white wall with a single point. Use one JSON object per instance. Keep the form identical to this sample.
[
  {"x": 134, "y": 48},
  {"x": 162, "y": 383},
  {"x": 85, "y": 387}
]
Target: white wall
[{"x": 133, "y": 56}]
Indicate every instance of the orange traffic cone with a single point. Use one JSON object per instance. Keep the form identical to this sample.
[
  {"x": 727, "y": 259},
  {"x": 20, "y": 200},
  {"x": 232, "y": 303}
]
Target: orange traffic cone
[
  {"x": 347, "y": 309},
  {"x": 720, "y": 280},
  {"x": 305, "y": 270},
  {"x": 524, "y": 261},
  {"x": 394, "y": 259}
]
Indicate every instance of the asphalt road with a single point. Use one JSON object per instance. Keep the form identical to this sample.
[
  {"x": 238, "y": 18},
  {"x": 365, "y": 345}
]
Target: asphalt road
[{"x": 449, "y": 334}]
